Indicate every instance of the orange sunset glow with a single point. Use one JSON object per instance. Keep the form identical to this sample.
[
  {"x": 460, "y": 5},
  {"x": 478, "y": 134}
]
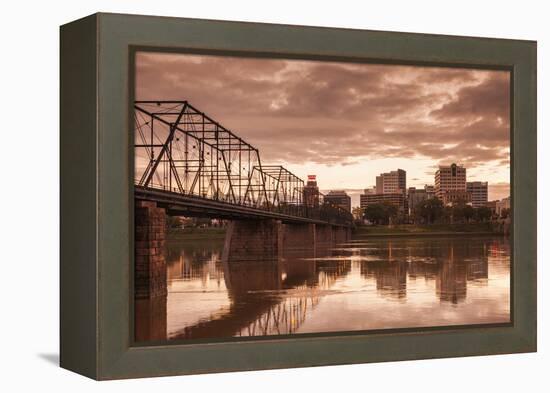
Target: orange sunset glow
[{"x": 348, "y": 122}]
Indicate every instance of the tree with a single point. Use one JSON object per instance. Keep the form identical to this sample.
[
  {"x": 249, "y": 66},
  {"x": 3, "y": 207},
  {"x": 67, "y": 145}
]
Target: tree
[
  {"x": 375, "y": 213},
  {"x": 414, "y": 209},
  {"x": 461, "y": 211},
  {"x": 430, "y": 210},
  {"x": 203, "y": 222},
  {"x": 173, "y": 222},
  {"x": 457, "y": 212},
  {"x": 504, "y": 213},
  {"x": 381, "y": 213},
  {"x": 468, "y": 213},
  {"x": 483, "y": 213},
  {"x": 390, "y": 212},
  {"x": 448, "y": 214},
  {"x": 358, "y": 213}
]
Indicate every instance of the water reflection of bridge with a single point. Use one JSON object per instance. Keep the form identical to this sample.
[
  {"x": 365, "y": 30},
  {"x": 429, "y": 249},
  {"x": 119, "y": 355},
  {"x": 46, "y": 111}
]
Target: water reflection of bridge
[
  {"x": 284, "y": 317},
  {"x": 278, "y": 297},
  {"x": 288, "y": 315},
  {"x": 267, "y": 299}
]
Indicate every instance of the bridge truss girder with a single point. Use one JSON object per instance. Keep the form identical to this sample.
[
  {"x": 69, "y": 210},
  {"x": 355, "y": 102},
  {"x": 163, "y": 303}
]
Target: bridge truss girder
[{"x": 182, "y": 150}]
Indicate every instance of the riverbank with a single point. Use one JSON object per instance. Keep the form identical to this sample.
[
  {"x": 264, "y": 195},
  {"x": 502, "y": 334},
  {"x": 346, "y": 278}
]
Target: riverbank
[
  {"x": 477, "y": 229},
  {"x": 193, "y": 233}
]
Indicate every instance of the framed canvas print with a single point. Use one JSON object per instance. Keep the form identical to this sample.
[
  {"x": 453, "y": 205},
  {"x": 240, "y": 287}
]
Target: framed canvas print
[{"x": 241, "y": 196}]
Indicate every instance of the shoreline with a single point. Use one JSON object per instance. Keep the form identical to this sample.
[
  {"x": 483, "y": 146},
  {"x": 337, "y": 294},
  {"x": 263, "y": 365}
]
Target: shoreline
[
  {"x": 218, "y": 234},
  {"x": 425, "y": 234},
  {"x": 196, "y": 234},
  {"x": 459, "y": 229}
]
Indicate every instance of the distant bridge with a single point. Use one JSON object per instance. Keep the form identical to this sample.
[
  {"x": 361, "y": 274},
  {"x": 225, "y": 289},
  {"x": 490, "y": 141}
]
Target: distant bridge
[{"x": 189, "y": 164}]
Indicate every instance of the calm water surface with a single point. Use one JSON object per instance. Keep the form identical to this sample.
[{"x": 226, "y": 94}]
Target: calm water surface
[{"x": 375, "y": 283}]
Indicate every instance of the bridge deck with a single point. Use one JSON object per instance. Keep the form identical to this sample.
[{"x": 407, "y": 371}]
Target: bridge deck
[{"x": 193, "y": 205}]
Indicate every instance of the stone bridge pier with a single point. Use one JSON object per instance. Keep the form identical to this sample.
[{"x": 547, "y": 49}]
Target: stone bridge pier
[
  {"x": 150, "y": 286},
  {"x": 271, "y": 240},
  {"x": 149, "y": 260}
]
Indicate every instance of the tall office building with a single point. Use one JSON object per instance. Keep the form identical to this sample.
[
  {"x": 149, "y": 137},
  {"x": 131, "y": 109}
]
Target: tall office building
[
  {"x": 450, "y": 184},
  {"x": 339, "y": 198},
  {"x": 371, "y": 190},
  {"x": 430, "y": 191},
  {"x": 397, "y": 199},
  {"x": 391, "y": 182},
  {"x": 502, "y": 205},
  {"x": 311, "y": 192},
  {"x": 478, "y": 192},
  {"x": 379, "y": 185}
]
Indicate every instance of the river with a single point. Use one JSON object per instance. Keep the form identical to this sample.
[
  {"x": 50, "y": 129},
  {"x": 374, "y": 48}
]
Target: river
[{"x": 365, "y": 284}]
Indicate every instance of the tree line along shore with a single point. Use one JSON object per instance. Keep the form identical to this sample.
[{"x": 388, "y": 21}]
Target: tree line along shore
[
  {"x": 500, "y": 227},
  {"x": 462, "y": 229}
]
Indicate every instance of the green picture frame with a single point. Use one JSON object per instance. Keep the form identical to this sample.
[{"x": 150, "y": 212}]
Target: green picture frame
[{"x": 96, "y": 265}]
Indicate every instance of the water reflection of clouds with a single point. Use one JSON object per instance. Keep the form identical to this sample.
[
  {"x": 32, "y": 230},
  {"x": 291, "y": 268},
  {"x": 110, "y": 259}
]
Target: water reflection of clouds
[
  {"x": 374, "y": 284},
  {"x": 417, "y": 311}
]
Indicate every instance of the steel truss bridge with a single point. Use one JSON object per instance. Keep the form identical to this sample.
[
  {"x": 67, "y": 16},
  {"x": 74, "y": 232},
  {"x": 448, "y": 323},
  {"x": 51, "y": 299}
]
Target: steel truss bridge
[{"x": 192, "y": 165}]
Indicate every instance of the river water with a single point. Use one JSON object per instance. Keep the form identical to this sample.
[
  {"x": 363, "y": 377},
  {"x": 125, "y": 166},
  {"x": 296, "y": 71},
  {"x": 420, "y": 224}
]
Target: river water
[{"x": 365, "y": 284}]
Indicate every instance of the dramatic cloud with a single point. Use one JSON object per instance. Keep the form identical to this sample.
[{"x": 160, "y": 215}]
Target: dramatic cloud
[{"x": 327, "y": 113}]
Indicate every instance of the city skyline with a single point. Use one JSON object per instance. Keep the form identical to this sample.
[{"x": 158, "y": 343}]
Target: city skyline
[
  {"x": 355, "y": 195},
  {"x": 347, "y": 122}
]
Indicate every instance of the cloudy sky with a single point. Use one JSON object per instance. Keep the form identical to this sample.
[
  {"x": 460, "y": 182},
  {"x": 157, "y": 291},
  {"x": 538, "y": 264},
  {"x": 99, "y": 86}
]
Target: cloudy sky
[{"x": 347, "y": 122}]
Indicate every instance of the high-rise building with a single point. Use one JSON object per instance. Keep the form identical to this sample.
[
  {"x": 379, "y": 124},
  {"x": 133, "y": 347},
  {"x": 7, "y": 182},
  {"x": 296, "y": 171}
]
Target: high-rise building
[
  {"x": 397, "y": 199},
  {"x": 478, "y": 192},
  {"x": 311, "y": 192},
  {"x": 391, "y": 182},
  {"x": 379, "y": 185},
  {"x": 450, "y": 183},
  {"x": 371, "y": 190},
  {"x": 452, "y": 197},
  {"x": 339, "y": 198},
  {"x": 500, "y": 206},
  {"x": 430, "y": 191},
  {"x": 492, "y": 205}
]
